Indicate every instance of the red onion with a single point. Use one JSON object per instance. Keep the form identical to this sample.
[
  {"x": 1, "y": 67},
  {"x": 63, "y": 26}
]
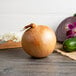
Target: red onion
[{"x": 66, "y": 29}]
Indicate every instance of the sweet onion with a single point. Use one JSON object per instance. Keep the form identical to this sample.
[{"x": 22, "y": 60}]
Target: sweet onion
[
  {"x": 66, "y": 29},
  {"x": 38, "y": 40}
]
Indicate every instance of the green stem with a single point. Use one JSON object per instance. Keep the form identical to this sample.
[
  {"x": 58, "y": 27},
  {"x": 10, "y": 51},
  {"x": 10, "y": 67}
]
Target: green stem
[{"x": 75, "y": 15}]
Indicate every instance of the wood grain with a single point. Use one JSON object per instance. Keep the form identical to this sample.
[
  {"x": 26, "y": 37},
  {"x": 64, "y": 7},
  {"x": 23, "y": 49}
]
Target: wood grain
[
  {"x": 10, "y": 44},
  {"x": 15, "y": 62}
]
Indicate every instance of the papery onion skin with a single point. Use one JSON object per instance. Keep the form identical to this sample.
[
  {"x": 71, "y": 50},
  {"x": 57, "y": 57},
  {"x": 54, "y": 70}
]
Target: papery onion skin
[{"x": 39, "y": 41}]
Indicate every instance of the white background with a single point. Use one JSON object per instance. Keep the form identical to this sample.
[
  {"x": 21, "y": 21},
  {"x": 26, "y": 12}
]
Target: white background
[{"x": 15, "y": 14}]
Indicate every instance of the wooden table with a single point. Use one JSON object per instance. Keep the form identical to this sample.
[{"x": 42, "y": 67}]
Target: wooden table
[{"x": 14, "y": 62}]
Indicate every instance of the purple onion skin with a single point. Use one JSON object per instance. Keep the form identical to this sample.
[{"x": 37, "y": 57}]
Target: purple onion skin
[{"x": 61, "y": 30}]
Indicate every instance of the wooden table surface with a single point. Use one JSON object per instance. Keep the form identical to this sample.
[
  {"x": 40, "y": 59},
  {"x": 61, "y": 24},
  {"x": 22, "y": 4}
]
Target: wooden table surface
[{"x": 14, "y": 62}]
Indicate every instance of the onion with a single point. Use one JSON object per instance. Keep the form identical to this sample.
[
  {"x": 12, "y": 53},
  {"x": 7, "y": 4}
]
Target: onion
[
  {"x": 66, "y": 29},
  {"x": 38, "y": 41}
]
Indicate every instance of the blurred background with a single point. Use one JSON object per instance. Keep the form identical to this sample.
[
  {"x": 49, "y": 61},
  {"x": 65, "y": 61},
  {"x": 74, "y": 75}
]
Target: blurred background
[{"x": 15, "y": 14}]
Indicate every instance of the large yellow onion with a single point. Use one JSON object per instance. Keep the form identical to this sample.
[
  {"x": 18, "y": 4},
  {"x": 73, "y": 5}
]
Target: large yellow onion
[{"x": 38, "y": 41}]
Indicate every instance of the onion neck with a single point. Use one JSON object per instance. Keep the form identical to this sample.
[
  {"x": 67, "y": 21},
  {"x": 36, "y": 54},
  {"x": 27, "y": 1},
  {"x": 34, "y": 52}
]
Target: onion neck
[
  {"x": 75, "y": 15},
  {"x": 32, "y": 25}
]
